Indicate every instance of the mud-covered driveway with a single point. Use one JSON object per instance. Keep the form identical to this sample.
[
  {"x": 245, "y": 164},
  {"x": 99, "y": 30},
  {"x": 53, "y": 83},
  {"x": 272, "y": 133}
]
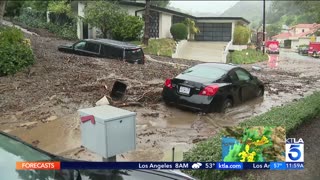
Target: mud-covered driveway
[{"x": 39, "y": 105}]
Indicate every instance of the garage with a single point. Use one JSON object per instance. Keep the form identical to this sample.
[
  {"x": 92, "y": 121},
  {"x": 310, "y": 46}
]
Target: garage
[{"x": 214, "y": 32}]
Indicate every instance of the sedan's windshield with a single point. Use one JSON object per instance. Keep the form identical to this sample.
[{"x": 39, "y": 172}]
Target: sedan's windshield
[{"x": 12, "y": 151}]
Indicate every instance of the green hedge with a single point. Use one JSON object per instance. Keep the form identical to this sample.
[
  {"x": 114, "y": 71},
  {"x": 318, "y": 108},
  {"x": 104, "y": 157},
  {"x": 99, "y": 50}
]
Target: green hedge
[
  {"x": 290, "y": 116},
  {"x": 179, "y": 31},
  {"x": 15, "y": 51},
  {"x": 246, "y": 56}
]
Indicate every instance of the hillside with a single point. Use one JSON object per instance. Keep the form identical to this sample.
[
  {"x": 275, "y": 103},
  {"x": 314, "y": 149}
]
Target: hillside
[{"x": 250, "y": 10}]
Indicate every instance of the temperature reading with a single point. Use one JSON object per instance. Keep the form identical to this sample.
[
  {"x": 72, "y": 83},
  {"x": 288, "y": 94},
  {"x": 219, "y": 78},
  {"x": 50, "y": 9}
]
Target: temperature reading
[
  {"x": 277, "y": 165},
  {"x": 210, "y": 165}
]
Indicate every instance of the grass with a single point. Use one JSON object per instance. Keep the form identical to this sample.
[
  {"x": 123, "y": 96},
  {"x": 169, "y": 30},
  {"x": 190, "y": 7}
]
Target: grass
[
  {"x": 246, "y": 56},
  {"x": 290, "y": 116},
  {"x": 159, "y": 47}
]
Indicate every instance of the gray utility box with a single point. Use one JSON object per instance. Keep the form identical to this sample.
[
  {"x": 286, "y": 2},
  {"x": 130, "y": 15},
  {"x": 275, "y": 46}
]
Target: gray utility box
[{"x": 107, "y": 130}]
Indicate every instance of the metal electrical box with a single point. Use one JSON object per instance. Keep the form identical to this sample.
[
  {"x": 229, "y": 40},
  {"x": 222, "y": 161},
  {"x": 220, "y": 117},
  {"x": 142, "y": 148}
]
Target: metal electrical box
[{"x": 107, "y": 130}]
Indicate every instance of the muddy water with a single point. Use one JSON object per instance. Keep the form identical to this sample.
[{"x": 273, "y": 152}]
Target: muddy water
[
  {"x": 56, "y": 136},
  {"x": 161, "y": 128}
]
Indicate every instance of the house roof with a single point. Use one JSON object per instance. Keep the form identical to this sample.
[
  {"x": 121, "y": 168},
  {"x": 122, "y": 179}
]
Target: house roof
[
  {"x": 223, "y": 18},
  {"x": 180, "y": 13},
  {"x": 283, "y": 35},
  {"x": 310, "y": 26}
]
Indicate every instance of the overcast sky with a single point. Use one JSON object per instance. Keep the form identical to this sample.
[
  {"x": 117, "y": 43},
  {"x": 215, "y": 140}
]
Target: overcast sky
[{"x": 203, "y": 6}]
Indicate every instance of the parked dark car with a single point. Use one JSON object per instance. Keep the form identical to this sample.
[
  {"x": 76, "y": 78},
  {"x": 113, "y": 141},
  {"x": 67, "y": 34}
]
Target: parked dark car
[
  {"x": 303, "y": 50},
  {"x": 12, "y": 150},
  {"x": 106, "y": 48},
  {"x": 212, "y": 87}
]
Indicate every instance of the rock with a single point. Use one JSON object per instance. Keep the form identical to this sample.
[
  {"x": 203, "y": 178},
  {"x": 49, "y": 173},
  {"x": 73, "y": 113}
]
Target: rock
[
  {"x": 144, "y": 126},
  {"x": 19, "y": 113},
  {"x": 51, "y": 118},
  {"x": 52, "y": 97},
  {"x": 35, "y": 143},
  {"x": 151, "y": 114},
  {"x": 102, "y": 101},
  {"x": 256, "y": 68},
  {"x": 28, "y": 124},
  {"x": 7, "y": 130}
]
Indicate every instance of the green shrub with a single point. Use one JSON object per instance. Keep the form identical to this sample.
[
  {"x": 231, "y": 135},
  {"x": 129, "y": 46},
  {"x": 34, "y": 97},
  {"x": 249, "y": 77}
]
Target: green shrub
[
  {"x": 290, "y": 116},
  {"x": 37, "y": 19},
  {"x": 128, "y": 28},
  {"x": 241, "y": 35},
  {"x": 179, "y": 31},
  {"x": 160, "y": 47},
  {"x": 15, "y": 51},
  {"x": 32, "y": 18},
  {"x": 247, "y": 56}
]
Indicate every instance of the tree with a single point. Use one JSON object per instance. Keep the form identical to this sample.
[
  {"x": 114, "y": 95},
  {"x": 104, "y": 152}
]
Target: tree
[
  {"x": 273, "y": 30},
  {"x": 13, "y": 8},
  {"x": 192, "y": 28},
  {"x": 241, "y": 35},
  {"x": 160, "y": 3},
  {"x": 129, "y": 28},
  {"x": 2, "y": 9},
  {"x": 146, "y": 23},
  {"x": 103, "y": 15}
]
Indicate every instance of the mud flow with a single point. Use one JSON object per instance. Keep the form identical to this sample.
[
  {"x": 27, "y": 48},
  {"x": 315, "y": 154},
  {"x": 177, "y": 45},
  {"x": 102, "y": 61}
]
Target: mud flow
[{"x": 39, "y": 105}]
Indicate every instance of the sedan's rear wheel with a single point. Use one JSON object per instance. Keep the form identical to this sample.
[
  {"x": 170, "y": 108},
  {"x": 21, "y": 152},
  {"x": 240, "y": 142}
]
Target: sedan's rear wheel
[{"x": 227, "y": 104}]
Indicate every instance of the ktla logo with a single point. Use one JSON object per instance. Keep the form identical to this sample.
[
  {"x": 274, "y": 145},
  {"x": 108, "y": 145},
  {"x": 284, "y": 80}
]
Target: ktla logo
[{"x": 294, "y": 150}]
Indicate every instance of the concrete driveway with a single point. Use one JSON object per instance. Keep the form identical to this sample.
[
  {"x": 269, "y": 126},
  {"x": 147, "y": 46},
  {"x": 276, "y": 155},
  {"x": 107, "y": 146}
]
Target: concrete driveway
[{"x": 202, "y": 51}]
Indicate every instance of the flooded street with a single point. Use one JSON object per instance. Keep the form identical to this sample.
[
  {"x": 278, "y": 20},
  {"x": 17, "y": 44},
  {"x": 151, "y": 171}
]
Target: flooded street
[{"x": 48, "y": 117}]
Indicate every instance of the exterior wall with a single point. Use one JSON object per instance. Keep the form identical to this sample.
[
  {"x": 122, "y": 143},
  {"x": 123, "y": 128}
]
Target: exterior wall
[
  {"x": 165, "y": 25},
  {"x": 294, "y": 44},
  {"x": 131, "y": 10},
  {"x": 180, "y": 46},
  {"x": 299, "y": 30},
  {"x": 303, "y": 41}
]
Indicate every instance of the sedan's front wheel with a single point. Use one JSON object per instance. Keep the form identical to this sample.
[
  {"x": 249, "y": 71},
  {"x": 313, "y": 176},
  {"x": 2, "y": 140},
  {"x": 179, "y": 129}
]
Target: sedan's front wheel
[{"x": 260, "y": 92}]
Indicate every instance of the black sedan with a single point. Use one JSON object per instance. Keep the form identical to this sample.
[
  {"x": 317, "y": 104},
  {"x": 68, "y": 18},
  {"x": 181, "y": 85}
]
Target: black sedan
[
  {"x": 212, "y": 87},
  {"x": 13, "y": 150}
]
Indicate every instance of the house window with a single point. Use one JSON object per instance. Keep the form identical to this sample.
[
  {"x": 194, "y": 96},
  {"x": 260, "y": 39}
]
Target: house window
[{"x": 177, "y": 19}]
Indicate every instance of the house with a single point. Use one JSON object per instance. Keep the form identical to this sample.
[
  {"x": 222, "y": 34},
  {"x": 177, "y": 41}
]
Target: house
[
  {"x": 211, "y": 28},
  {"x": 299, "y": 34}
]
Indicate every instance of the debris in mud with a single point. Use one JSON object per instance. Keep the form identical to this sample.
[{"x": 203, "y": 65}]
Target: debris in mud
[
  {"x": 127, "y": 104},
  {"x": 102, "y": 101},
  {"x": 35, "y": 142},
  {"x": 196, "y": 140},
  {"x": 256, "y": 68},
  {"x": 28, "y": 124},
  {"x": 147, "y": 133},
  {"x": 51, "y": 118},
  {"x": 79, "y": 151},
  {"x": 154, "y": 114}
]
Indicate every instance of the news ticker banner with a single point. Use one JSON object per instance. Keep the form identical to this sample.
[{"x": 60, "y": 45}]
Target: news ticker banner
[{"x": 160, "y": 165}]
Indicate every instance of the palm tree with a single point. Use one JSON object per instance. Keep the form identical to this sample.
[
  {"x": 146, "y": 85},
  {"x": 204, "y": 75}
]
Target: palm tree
[{"x": 192, "y": 28}]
